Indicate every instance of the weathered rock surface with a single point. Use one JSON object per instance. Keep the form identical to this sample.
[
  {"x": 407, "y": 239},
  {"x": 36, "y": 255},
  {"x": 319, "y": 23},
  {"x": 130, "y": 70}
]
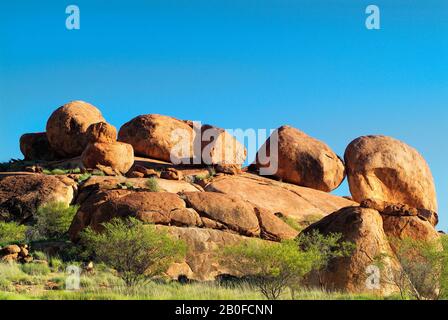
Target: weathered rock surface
[
  {"x": 172, "y": 186},
  {"x": 402, "y": 227},
  {"x": 272, "y": 228},
  {"x": 22, "y": 195},
  {"x": 219, "y": 147},
  {"x": 299, "y": 203},
  {"x": 156, "y": 136},
  {"x": 231, "y": 211},
  {"x": 117, "y": 155},
  {"x": 381, "y": 168},
  {"x": 101, "y": 132},
  {"x": 173, "y": 140},
  {"x": 203, "y": 244},
  {"x": 67, "y": 126},
  {"x": 303, "y": 160},
  {"x": 35, "y": 146},
  {"x": 364, "y": 228}
]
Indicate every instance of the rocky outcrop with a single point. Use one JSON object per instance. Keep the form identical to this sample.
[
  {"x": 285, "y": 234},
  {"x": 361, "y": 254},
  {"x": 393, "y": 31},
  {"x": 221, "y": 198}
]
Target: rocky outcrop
[
  {"x": 383, "y": 169},
  {"x": 302, "y": 160},
  {"x": 236, "y": 214},
  {"x": 189, "y": 209},
  {"x": 413, "y": 227},
  {"x": 178, "y": 141},
  {"x": 219, "y": 147},
  {"x": 22, "y": 195},
  {"x": 35, "y": 146},
  {"x": 116, "y": 155},
  {"x": 203, "y": 245},
  {"x": 364, "y": 228},
  {"x": 15, "y": 253},
  {"x": 299, "y": 203},
  {"x": 156, "y": 136},
  {"x": 67, "y": 126}
]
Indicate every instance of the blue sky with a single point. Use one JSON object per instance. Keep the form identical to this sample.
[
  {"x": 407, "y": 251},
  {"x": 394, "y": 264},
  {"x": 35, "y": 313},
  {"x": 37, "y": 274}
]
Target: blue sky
[{"x": 235, "y": 64}]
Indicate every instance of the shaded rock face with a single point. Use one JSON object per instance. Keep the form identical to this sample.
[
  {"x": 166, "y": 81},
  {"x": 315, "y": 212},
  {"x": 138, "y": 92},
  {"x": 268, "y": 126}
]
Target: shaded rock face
[
  {"x": 303, "y": 160},
  {"x": 35, "y": 146},
  {"x": 301, "y": 204},
  {"x": 154, "y": 136},
  {"x": 116, "y": 155},
  {"x": 22, "y": 195},
  {"x": 203, "y": 245},
  {"x": 67, "y": 126},
  {"x": 364, "y": 228},
  {"x": 383, "y": 169}
]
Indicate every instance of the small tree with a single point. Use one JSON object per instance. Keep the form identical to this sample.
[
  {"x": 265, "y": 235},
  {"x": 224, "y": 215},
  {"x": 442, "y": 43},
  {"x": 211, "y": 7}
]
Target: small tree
[
  {"x": 53, "y": 220},
  {"x": 324, "y": 248},
  {"x": 423, "y": 271},
  {"x": 136, "y": 251},
  {"x": 11, "y": 232},
  {"x": 274, "y": 266}
]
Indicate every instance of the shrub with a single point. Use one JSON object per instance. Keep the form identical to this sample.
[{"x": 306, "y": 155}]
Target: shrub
[
  {"x": 39, "y": 255},
  {"x": 273, "y": 266},
  {"x": 53, "y": 221},
  {"x": 11, "y": 232},
  {"x": 83, "y": 177},
  {"x": 324, "y": 248},
  {"x": 152, "y": 184},
  {"x": 136, "y": 251},
  {"x": 35, "y": 269},
  {"x": 56, "y": 264},
  {"x": 423, "y": 271}
]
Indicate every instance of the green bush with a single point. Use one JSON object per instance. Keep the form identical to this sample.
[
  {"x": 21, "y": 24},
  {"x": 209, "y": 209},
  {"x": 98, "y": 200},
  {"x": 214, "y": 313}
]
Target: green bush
[
  {"x": 53, "y": 221},
  {"x": 423, "y": 273},
  {"x": 35, "y": 269},
  {"x": 273, "y": 266},
  {"x": 324, "y": 248},
  {"x": 39, "y": 255},
  {"x": 136, "y": 251},
  {"x": 56, "y": 264},
  {"x": 11, "y": 232},
  {"x": 152, "y": 184}
]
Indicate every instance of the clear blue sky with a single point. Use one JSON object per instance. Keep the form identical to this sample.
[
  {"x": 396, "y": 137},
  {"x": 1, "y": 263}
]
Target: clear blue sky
[{"x": 236, "y": 64}]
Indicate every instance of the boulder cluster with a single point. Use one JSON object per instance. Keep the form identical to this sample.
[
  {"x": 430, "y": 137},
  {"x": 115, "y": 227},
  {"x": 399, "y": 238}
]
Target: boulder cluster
[
  {"x": 15, "y": 253},
  {"x": 216, "y": 203}
]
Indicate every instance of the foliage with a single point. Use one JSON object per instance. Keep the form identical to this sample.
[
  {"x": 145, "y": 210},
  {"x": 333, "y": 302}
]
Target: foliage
[
  {"x": 152, "y": 184},
  {"x": 35, "y": 268},
  {"x": 53, "y": 221},
  {"x": 423, "y": 272},
  {"x": 11, "y": 232},
  {"x": 203, "y": 177},
  {"x": 324, "y": 248},
  {"x": 291, "y": 222},
  {"x": 136, "y": 251},
  {"x": 274, "y": 266}
]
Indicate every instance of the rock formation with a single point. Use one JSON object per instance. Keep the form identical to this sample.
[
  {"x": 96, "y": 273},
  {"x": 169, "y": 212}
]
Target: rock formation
[
  {"x": 35, "y": 146},
  {"x": 214, "y": 203},
  {"x": 303, "y": 160},
  {"x": 364, "y": 228},
  {"x": 67, "y": 126},
  {"x": 104, "y": 151},
  {"x": 381, "y": 168},
  {"x": 22, "y": 195}
]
